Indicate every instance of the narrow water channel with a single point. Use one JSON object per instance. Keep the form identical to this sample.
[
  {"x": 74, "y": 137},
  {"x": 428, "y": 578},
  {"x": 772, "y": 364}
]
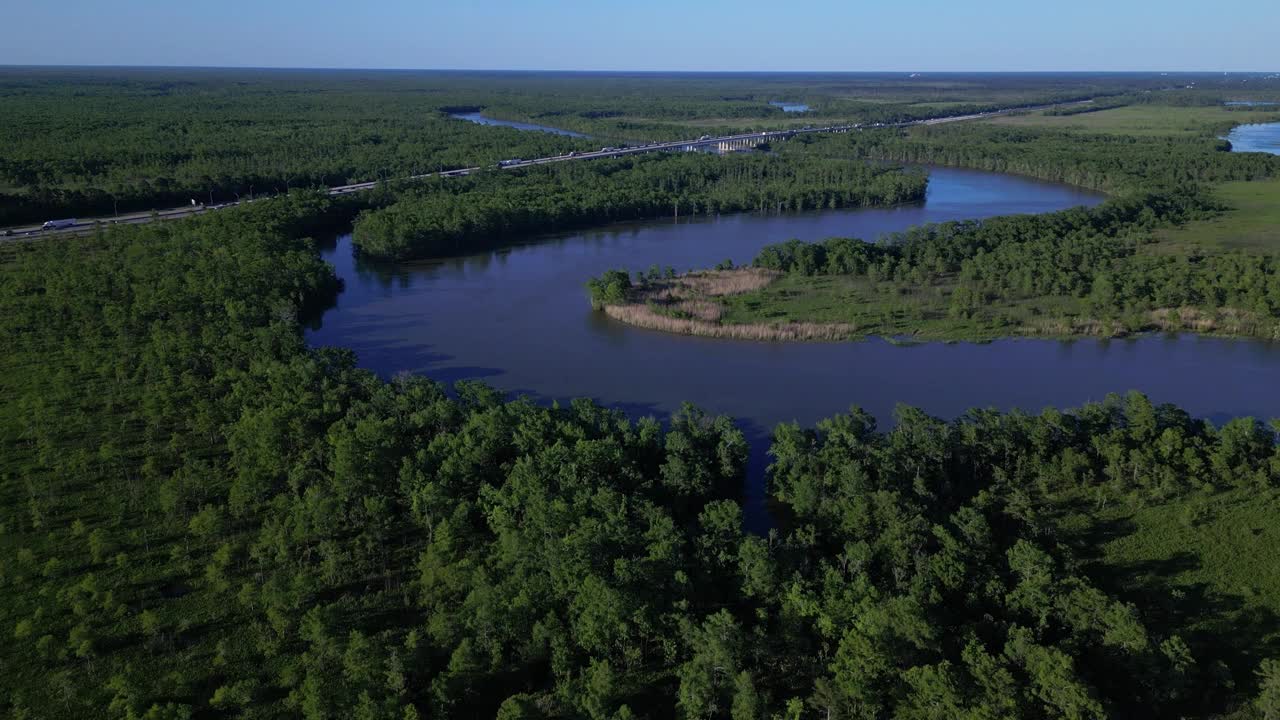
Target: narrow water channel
[
  {"x": 519, "y": 320},
  {"x": 480, "y": 119}
]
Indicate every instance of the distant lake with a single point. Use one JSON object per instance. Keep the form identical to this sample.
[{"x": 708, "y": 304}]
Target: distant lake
[
  {"x": 518, "y": 319},
  {"x": 479, "y": 119},
  {"x": 1250, "y": 103},
  {"x": 1261, "y": 137},
  {"x": 790, "y": 107}
]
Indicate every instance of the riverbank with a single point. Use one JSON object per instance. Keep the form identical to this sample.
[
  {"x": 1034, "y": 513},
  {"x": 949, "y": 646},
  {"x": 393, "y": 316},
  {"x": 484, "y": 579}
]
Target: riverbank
[
  {"x": 441, "y": 318},
  {"x": 754, "y": 304},
  {"x": 490, "y": 210},
  {"x": 689, "y": 305}
]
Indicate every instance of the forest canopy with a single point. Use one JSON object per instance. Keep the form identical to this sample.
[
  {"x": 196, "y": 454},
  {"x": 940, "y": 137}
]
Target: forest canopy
[
  {"x": 201, "y": 516},
  {"x": 204, "y": 517},
  {"x": 460, "y": 215}
]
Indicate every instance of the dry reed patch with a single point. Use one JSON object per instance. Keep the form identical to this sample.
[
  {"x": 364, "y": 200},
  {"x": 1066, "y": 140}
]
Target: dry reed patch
[
  {"x": 701, "y": 309},
  {"x": 720, "y": 283},
  {"x": 703, "y": 285},
  {"x": 1075, "y": 326},
  {"x": 1220, "y": 321},
  {"x": 646, "y": 317}
]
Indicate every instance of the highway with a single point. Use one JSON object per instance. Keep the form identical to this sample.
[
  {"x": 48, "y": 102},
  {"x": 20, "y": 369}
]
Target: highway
[{"x": 87, "y": 225}]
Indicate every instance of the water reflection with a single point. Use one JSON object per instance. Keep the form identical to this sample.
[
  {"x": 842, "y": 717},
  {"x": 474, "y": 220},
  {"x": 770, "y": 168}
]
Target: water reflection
[{"x": 519, "y": 320}]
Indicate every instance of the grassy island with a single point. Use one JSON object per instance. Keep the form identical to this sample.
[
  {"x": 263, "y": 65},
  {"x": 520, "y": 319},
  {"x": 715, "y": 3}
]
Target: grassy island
[{"x": 1188, "y": 242}]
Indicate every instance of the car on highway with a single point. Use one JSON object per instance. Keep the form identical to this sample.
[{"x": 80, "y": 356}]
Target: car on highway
[
  {"x": 7, "y": 233},
  {"x": 58, "y": 224}
]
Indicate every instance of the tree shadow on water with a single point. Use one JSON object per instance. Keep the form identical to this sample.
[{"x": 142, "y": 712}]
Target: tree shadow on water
[{"x": 394, "y": 351}]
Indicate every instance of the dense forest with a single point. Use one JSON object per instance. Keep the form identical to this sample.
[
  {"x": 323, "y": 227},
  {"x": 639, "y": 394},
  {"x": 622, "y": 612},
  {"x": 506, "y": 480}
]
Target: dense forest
[
  {"x": 1101, "y": 271},
  {"x": 1093, "y": 256},
  {"x": 202, "y": 517},
  {"x": 1114, "y": 162},
  {"x": 455, "y": 215},
  {"x": 82, "y": 142}
]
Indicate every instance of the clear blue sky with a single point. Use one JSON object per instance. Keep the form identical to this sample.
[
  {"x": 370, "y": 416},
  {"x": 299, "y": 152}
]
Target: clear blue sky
[{"x": 650, "y": 34}]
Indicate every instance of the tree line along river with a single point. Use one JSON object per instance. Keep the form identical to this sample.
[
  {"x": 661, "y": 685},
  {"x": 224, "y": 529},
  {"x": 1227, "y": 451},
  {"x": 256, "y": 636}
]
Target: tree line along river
[{"x": 518, "y": 320}]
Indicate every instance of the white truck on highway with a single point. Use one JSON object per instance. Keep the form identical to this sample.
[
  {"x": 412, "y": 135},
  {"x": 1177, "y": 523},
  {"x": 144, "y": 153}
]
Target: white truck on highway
[{"x": 58, "y": 224}]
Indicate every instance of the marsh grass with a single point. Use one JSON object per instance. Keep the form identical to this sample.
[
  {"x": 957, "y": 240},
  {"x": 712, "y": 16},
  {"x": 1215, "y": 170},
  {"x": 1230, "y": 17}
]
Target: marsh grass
[
  {"x": 1226, "y": 322},
  {"x": 689, "y": 305},
  {"x": 758, "y": 304}
]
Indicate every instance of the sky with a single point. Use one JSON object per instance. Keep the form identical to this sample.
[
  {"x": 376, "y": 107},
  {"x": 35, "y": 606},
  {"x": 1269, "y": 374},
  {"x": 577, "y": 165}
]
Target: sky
[{"x": 709, "y": 35}]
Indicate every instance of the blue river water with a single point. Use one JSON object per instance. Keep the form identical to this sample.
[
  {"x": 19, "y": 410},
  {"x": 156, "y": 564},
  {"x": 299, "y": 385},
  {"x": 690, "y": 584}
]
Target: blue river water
[
  {"x": 518, "y": 319},
  {"x": 477, "y": 118}
]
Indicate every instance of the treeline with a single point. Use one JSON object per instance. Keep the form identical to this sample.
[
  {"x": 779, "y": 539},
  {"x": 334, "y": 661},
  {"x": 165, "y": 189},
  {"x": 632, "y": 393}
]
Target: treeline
[
  {"x": 113, "y": 141},
  {"x": 1081, "y": 109},
  {"x": 480, "y": 212},
  {"x": 95, "y": 142},
  {"x": 1090, "y": 254},
  {"x": 1110, "y": 162},
  {"x": 202, "y": 517}
]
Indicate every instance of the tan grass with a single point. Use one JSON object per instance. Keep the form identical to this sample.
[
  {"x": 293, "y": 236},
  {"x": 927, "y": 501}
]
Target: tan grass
[
  {"x": 1220, "y": 321},
  {"x": 1076, "y": 326},
  {"x": 644, "y": 316},
  {"x": 1232, "y": 322},
  {"x": 687, "y": 305},
  {"x": 701, "y": 309},
  {"x": 719, "y": 283}
]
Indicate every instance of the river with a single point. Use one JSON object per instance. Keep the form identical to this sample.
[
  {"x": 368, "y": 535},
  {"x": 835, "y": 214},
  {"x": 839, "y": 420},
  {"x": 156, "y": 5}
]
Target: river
[
  {"x": 477, "y": 118},
  {"x": 518, "y": 319}
]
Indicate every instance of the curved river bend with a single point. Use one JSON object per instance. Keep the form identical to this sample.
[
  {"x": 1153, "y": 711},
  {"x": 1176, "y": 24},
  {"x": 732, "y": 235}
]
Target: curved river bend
[{"x": 519, "y": 320}]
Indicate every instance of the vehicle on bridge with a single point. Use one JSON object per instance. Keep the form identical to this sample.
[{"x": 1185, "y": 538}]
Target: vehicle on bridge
[
  {"x": 58, "y": 224},
  {"x": 509, "y": 163}
]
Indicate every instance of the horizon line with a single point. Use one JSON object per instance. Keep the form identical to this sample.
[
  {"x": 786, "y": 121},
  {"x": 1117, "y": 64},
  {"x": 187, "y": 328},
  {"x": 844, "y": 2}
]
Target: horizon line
[{"x": 629, "y": 71}]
